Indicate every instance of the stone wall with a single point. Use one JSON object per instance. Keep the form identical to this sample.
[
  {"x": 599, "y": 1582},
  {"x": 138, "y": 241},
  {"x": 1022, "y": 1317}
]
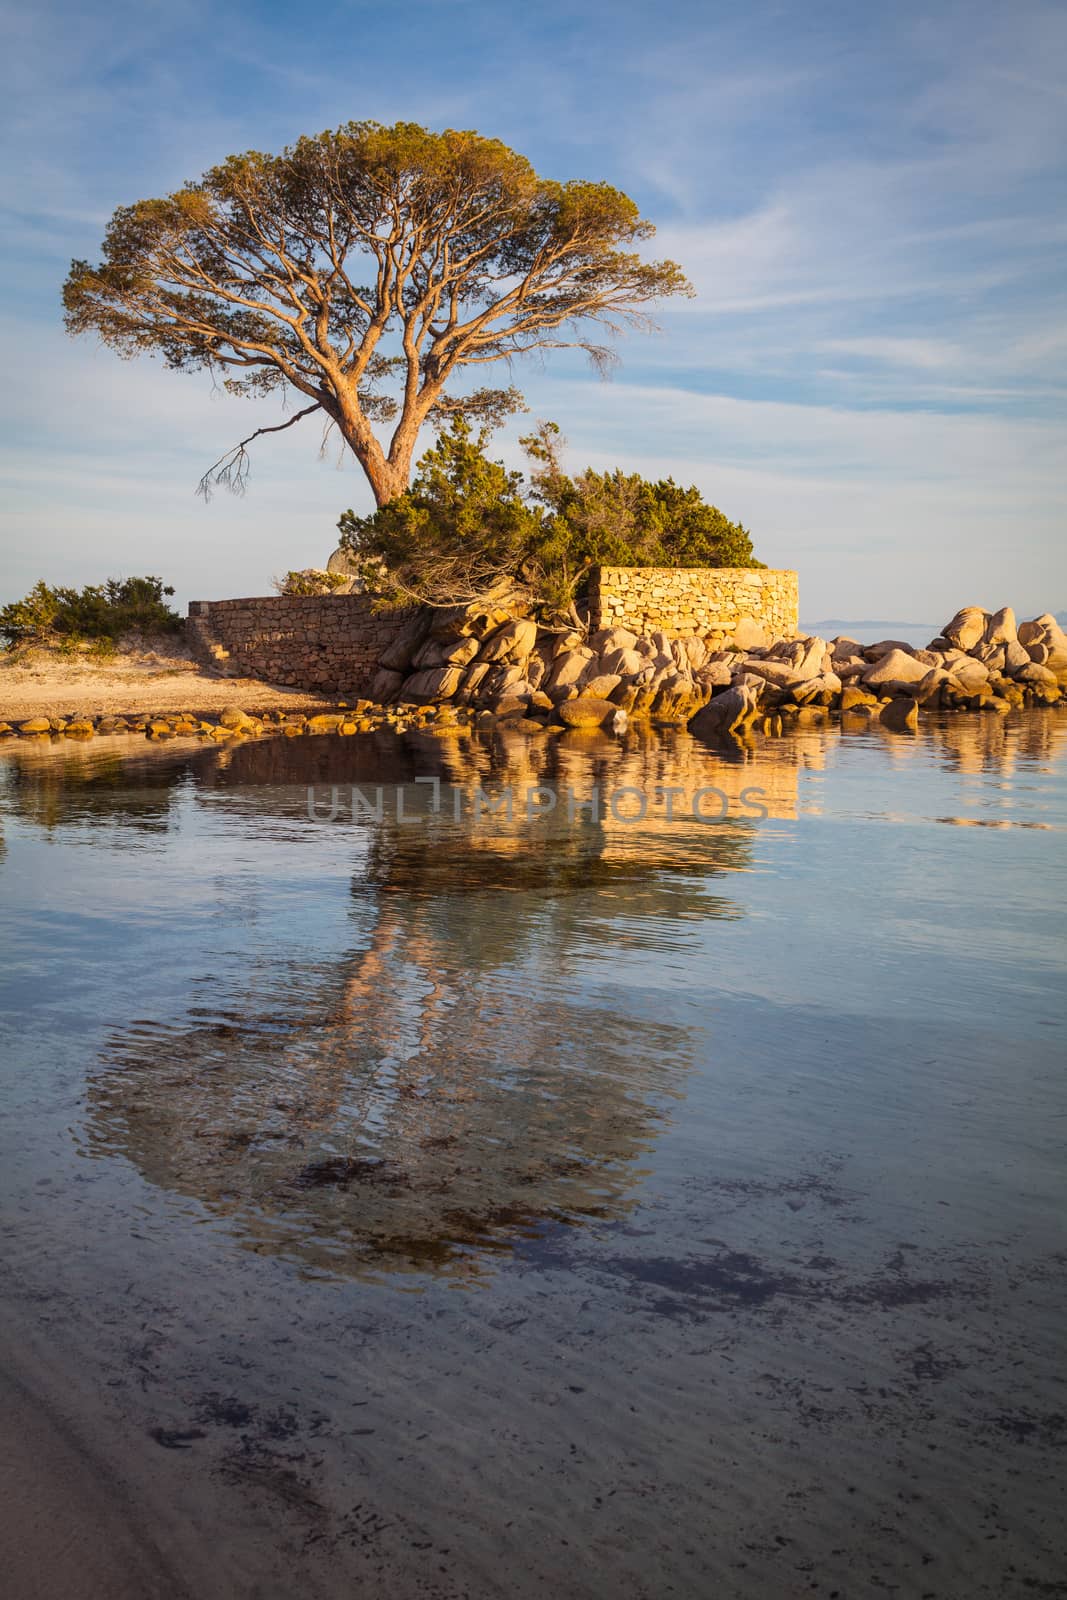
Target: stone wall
[
  {"x": 325, "y": 642},
  {"x": 688, "y": 600},
  {"x": 333, "y": 643}
]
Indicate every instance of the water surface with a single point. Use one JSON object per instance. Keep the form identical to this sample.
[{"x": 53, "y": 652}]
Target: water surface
[{"x": 602, "y": 1205}]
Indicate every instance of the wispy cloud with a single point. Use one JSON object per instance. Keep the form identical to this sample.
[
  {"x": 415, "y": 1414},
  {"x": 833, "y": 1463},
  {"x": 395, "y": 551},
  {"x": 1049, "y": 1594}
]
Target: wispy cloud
[{"x": 871, "y": 205}]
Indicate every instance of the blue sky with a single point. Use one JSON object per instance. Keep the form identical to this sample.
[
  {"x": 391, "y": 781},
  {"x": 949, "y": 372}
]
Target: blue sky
[{"x": 869, "y": 201}]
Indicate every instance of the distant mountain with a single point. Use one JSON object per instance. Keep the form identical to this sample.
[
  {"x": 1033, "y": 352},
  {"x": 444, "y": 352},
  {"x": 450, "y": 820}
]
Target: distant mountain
[
  {"x": 841, "y": 624},
  {"x": 868, "y": 629}
]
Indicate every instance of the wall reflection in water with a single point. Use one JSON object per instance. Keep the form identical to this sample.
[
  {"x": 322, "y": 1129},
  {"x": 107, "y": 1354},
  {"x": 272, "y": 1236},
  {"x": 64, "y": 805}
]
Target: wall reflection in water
[{"x": 453, "y": 1079}]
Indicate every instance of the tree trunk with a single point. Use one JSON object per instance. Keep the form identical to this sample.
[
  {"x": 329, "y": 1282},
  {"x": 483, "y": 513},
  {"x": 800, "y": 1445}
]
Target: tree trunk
[
  {"x": 387, "y": 481},
  {"x": 387, "y": 476}
]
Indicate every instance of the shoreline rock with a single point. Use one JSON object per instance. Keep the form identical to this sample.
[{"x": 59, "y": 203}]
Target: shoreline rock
[{"x": 478, "y": 667}]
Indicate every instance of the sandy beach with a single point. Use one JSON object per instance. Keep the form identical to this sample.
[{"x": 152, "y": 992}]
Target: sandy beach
[{"x": 42, "y": 683}]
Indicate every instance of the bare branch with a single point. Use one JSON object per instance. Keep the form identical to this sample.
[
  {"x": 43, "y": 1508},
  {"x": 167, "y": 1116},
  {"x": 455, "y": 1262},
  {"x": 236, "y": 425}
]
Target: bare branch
[{"x": 231, "y": 470}]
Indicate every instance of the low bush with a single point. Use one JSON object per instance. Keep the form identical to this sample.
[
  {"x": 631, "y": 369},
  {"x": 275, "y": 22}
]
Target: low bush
[
  {"x": 309, "y": 580},
  {"x": 101, "y": 612}
]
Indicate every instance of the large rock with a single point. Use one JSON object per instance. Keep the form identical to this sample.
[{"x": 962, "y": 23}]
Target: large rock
[
  {"x": 460, "y": 653},
  {"x": 901, "y": 715},
  {"x": 385, "y": 685},
  {"x": 433, "y": 652},
  {"x": 822, "y": 691},
  {"x": 344, "y": 562},
  {"x": 695, "y": 650},
  {"x": 748, "y": 634},
  {"x": 586, "y": 712},
  {"x": 966, "y": 627},
  {"x": 714, "y": 674},
  {"x": 731, "y": 712},
  {"x": 624, "y": 660},
  {"x": 1036, "y": 674},
  {"x": 896, "y": 666},
  {"x": 624, "y": 695},
  {"x": 1015, "y": 657},
  {"x": 515, "y": 641},
  {"x": 968, "y": 674},
  {"x": 808, "y": 656},
  {"x": 928, "y": 690},
  {"x": 433, "y": 683},
  {"x": 233, "y": 717},
  {"x": 1001, "y": 629},
  {"x": 848, "y": 663},
  {"x": 606, "y": 639},
  {"x": 882, "y": 647},
  {"x": 783, "y": 674},
  {"x": 600, "y": 687},
  {"x": 400, "y": 652},
  {"x": 1047, "y": 621},
  {"x": 535, "y": 670},
  {"x": 568, "y": 668}
]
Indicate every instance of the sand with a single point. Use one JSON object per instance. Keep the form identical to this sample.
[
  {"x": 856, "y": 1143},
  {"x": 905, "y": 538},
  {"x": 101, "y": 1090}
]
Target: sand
[{"x": 43, "y": 683}]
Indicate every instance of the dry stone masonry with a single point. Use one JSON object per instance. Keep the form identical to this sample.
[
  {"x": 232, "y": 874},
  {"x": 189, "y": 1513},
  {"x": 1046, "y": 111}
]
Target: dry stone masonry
[
  {"x": 717, "y": 672},
  {"x": 325, "y": 642},
  {"x": 694, "y": 600},
  {"x": 337, "y": 642}
]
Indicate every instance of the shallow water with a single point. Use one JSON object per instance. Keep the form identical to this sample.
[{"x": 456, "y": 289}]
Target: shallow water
[{"x": 620, "y": 1205}]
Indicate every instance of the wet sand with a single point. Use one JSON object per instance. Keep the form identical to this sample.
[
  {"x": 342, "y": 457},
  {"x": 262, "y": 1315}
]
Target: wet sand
[{"x": 69, "y": 1524}]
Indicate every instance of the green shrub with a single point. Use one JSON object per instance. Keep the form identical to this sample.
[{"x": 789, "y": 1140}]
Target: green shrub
[
  {"x": 467, "y": 522},
  {"x": 309, "y": 580},
  {"x": 461, "y": 527},
  {"x": 102, "y": 612}
]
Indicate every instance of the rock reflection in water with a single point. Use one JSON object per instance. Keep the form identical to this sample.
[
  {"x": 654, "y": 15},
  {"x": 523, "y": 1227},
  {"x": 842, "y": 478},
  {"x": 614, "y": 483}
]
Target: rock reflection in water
[
  {"x": 450, "y": 1086},
  {"x": 446, "y": 1084}
]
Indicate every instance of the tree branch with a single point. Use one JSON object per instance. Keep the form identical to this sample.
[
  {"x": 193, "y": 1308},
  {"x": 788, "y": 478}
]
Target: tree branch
[{"x": 231, "y": 470}]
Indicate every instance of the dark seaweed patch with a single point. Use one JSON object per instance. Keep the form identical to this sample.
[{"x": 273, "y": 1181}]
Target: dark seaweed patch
[
  {"x": 340, "y": 1172},
  {"x": 730, "y": 1277}
]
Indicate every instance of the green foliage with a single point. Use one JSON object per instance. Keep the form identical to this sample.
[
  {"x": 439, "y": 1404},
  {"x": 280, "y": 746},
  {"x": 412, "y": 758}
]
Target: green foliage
[
  {"x": 461, "y": 527},
  {"x": 101, "y": 612},
  {"x": 309, "y": 581},
  {"x": 467, "y": 523}
]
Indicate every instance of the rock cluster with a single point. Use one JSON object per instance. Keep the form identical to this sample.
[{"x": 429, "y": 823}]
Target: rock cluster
[
  {"x": 480, "y": 665},
  {"x": 980, "y": 661},
  {"x": 489, "y": 658},
  {"x": 360, "y": 716},
  {"x": 334, "y": 642}
]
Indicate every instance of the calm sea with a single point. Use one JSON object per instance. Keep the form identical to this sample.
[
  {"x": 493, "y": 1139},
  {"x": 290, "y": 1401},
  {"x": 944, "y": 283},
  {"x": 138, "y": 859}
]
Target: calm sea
[{"x": 656, "y": 1190}]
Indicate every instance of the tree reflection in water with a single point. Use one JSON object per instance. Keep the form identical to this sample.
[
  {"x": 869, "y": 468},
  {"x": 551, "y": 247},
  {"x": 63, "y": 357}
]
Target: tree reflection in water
[{"x": 453, "y": 1081}]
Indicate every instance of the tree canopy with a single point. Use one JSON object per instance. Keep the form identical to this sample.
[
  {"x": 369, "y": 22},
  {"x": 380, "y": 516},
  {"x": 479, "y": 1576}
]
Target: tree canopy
[
  {"x": 365, "y": 270},
  {"x": 467, "y": 523}
]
